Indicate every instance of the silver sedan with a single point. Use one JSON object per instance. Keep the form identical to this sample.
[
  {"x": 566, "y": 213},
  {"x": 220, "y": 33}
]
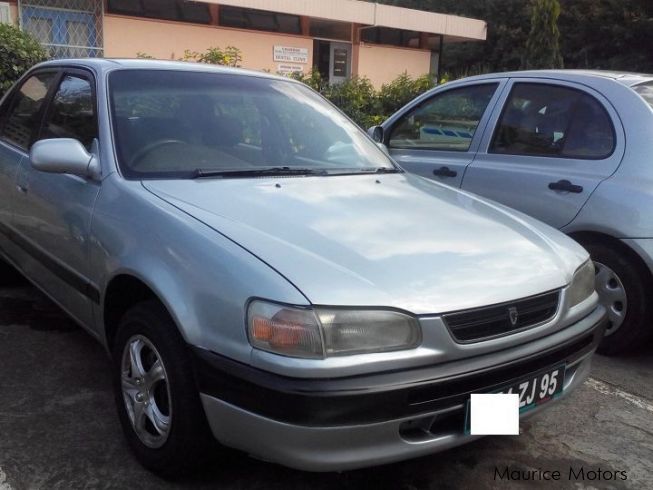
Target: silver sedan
[
  {"x": 263, "y": 274},
  {"x": 570, "y": 148}
]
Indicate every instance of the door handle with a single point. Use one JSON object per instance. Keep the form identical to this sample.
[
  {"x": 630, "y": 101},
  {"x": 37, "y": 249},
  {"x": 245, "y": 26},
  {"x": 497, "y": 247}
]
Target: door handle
[
  {"x": 565, "y": 185},
  {"x": 445, "y": 172},
  {"x": 21, "y": 188}
]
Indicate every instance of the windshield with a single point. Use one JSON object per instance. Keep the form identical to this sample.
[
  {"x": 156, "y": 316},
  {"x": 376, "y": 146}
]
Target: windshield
[
  {"x": 182, "y": 124},
  {"x": 645, "y": 90}
]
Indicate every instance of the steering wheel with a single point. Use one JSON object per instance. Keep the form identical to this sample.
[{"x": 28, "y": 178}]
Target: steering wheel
[{"x": 138, "y": 156}]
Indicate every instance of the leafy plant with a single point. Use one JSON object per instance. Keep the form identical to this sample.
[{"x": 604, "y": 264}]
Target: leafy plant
[
  {"x": 543, "y": 45},
  {"x": 402, "y": 90},
  {"x": 19, "y": 51},
  {"x": 229, "y": 56}
]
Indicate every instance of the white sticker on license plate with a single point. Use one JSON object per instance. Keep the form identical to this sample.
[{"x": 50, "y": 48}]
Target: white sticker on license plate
[{"x": 533, "y": 390}]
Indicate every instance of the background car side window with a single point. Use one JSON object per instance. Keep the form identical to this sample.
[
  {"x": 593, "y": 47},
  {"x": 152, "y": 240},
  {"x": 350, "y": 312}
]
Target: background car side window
[
  {"x": 22, "y": 120},
  {"x": 71, "y": 113},
  {"x": 549, "y": 120},
  {"x": 447, "y": 121}
]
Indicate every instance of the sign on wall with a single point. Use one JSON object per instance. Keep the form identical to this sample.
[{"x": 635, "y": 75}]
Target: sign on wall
[
  {"x": 286, "y": 69},
  {"x": 291, "y": 54}
]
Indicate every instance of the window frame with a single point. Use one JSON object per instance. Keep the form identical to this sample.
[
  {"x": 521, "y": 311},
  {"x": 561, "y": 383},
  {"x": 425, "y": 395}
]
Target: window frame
[
  {"x": 11, "y": 98},
  {"x": 141, "y": 14},
  {"x": 79, "y": 73},
  {"x": 418, "y": 103},
  {"x": 567, "y": 86}
]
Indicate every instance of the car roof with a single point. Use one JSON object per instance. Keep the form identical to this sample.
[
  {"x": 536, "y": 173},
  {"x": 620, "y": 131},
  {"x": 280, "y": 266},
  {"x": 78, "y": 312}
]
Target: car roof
[
  {"x": 110, "y": 64},
  {"x": 626, "y": 78}
]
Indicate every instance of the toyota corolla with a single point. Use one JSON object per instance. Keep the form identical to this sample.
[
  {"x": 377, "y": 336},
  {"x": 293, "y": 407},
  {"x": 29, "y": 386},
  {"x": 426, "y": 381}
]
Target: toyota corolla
[{"x": 263, "y": 274}]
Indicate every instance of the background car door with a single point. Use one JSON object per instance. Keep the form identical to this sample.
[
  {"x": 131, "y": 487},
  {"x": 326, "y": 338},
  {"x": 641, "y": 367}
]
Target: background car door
[
  {"x": 53, "y": 211},
  {"x": 548, "y": 148},
  {"x": 437, "y": 137},
  {"x": 20, "y": 117}
]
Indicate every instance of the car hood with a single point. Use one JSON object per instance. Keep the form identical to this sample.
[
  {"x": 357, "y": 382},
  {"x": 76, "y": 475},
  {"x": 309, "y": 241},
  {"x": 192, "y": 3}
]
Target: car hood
[{"x": 394, "y": 240}]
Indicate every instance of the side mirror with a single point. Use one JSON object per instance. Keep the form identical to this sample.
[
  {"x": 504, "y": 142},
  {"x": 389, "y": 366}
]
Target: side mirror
[
  {"x": 377, "y": 133},
  {"x": 64, "y": 156}
]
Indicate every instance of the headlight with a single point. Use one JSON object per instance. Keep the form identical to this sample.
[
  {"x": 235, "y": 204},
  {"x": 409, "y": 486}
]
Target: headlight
[
  {"x": 582, "y": 286},
  {"x": 324, "y": 332}
]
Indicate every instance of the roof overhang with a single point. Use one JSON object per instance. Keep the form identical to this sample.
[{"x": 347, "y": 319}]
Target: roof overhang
[{"x": 372, "y": 14}]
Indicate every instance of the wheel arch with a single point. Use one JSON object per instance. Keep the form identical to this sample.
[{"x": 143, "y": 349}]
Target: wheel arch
[
  {"x": 584, "y": 237},
  {"x": 122, "y": 292}
]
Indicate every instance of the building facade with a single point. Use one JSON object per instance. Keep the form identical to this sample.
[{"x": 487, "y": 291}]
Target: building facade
[{"x": 338, "y": 38}]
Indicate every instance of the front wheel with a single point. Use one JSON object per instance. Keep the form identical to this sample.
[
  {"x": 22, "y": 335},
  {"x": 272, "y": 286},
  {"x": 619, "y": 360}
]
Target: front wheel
[
  {"x": 624, "y": 289},
  {"x": 156, "y": 396}
]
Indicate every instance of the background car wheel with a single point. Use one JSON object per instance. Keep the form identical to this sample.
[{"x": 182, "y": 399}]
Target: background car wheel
[
  {"x": 156, "y": 395},
  {"x": 625, "y": 290}
]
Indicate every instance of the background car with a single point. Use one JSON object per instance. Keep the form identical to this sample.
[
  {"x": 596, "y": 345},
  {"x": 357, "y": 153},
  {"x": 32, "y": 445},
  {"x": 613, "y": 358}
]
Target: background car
[{"x": 571, "y": 148}]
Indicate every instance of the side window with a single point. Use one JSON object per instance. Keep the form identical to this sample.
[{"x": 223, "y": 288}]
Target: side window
[
  {"x": 548, "y": 120},
  {"x": 447, "y": 121},
  {"x": 72, "y": 113},
  {"x": 21, "y": 122}
]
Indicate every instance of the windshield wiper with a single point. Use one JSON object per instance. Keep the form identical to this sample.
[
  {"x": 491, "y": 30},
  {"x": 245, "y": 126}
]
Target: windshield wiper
[
  {"x": 256, "y": 172},
  {"x": 379, "y": 170}
]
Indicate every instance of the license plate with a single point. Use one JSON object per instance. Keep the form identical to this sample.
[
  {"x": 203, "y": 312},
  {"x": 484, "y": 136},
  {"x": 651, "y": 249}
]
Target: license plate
[{"x": 533, "y": 391}]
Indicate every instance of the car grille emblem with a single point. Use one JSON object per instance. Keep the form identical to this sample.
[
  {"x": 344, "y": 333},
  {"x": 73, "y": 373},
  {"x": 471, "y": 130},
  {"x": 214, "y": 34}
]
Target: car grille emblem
[{"x": 513, "y": 315}]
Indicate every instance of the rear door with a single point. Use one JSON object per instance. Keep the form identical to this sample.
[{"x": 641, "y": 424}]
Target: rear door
[
  {"x": 548, "y": 146},
  {"x": 438, "y": 135}
]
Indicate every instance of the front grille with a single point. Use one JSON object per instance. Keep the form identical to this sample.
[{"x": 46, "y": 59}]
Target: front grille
[{"x": 503, "y": 319}]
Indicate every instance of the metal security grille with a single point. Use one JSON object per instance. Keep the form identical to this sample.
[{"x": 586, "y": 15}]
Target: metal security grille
[{"x": 67, "y": 28}]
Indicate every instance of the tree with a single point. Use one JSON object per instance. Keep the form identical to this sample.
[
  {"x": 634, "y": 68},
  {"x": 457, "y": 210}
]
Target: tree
[
  {"x": 18, "y": 52},
  {"x": 543, "y": 44}
]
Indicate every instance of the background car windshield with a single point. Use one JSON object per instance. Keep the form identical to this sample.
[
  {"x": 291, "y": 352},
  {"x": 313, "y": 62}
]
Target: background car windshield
[{"x": 168, "y": 124}]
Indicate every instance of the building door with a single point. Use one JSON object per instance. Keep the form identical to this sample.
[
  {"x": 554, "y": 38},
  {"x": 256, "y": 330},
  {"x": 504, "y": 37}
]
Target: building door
[
  {"x": 339, "y": 62},
  {"x": 64, "y": 32}
]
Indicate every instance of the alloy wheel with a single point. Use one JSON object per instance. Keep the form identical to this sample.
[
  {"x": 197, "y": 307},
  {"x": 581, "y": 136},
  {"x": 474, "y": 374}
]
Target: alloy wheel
[{"x": 146, "y": 391}]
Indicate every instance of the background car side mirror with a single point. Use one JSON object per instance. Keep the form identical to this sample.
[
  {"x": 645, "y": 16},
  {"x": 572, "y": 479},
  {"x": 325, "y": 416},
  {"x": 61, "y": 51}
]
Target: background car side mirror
[
  {"x": 377, "y": 133},
  {"x": 64, "y": 156}
]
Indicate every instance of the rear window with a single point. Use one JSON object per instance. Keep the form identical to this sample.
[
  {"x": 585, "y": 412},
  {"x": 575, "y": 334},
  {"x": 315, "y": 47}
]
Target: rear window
[{"x": 645, "y": 90}]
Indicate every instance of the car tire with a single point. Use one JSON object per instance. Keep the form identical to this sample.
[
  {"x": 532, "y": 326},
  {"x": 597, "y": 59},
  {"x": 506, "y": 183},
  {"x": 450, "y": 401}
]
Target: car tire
[
  {"x": 624, "y": 288},
  {"x": 161, "y": 415}
]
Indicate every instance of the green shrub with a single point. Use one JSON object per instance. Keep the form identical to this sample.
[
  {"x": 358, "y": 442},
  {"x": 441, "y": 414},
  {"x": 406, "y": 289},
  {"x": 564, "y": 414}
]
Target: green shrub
[
  {"x": 396, "y": 94},
  {"x": 356, "y": 97},
  {"x": 18, "y": 52},
  {"x": 228, "y": 56}
]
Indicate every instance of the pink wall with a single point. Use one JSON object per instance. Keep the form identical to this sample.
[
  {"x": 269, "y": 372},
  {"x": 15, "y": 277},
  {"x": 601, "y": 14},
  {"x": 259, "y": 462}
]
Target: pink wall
[
  {"x": 124, "y": 37},
  {"x": 382, "y": 64}
]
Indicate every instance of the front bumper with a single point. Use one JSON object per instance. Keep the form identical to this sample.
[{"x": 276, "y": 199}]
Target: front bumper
[{"x": 347, "y": 423}]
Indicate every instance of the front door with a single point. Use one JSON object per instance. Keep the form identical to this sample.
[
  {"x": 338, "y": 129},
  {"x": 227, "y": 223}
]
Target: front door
[
  {"x": 339, "y": 62},
  {"x": 20, "y": 118},
  {"x": 53, "y": 211},
  {"x": 438, "y": 135},
  {"x": 551, "y": 145}
]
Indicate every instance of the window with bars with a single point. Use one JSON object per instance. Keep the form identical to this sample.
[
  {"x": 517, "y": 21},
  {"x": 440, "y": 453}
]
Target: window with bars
[{"x": 66, "y": 28}]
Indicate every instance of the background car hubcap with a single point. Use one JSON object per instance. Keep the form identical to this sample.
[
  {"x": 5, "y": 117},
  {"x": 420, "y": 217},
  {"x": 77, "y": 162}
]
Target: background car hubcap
[
  {"x": 146, "y": 391},
  {"x": 612, "y": 295}
]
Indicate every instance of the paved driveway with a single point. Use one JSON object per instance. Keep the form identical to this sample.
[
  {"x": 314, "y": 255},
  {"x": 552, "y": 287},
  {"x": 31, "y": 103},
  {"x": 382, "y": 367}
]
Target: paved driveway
[{"x": 58, "y": 428}]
